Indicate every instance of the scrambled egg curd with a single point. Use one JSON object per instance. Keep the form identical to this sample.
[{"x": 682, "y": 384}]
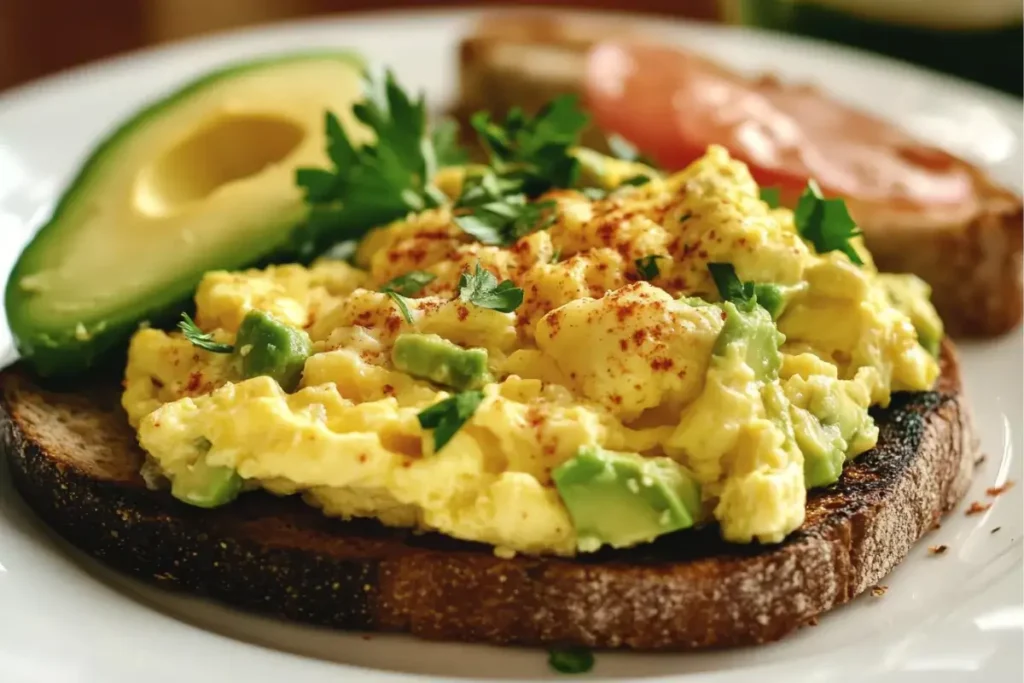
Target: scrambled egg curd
[{"x": 621, "y": 395}]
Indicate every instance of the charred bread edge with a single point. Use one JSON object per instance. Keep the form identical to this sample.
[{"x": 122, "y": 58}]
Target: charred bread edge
[{"x": 279, "y": 557}]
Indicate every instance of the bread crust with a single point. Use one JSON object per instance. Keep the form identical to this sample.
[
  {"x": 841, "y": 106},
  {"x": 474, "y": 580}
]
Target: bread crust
[
  {"x": 970, "y": 254},
  {"x": 74, "y": 460}
]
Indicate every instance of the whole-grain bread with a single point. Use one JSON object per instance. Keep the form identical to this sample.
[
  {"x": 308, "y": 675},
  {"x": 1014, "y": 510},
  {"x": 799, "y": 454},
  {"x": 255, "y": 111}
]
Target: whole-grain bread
[
  {"x": 75, "y": 460},
  {"x": 970, "y": 254}
]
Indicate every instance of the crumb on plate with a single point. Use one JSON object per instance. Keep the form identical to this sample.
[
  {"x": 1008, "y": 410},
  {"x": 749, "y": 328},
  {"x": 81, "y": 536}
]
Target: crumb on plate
[
  {"x": 937, "y": 549},
  {"x": 998, "y": 490},
  {"x": 977, "y": 508}
]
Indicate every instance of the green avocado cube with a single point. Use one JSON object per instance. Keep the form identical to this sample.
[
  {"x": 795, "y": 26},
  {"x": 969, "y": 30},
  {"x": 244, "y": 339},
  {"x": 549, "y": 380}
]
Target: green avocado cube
[
  {"x": 438, "y": 360},
  {"x": 756, "y": 331},
  {"x": 267, "y": 346},
  {"x": 206, "y": 486},
  {"x": 622, "y": 499}
]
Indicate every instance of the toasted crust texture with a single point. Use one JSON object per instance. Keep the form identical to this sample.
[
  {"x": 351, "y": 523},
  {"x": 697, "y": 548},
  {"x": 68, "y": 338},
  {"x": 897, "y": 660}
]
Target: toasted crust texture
[
  {"x": 74, "y": 459},
  {"x": 971, "y": 255}
]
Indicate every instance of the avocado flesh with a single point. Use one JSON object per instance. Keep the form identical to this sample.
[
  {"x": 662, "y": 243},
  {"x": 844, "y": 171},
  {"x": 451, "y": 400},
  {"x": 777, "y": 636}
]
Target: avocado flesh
[
  {"x": 436, "y": 359},
  {"x": 201, "y": 180},
  {"x": 757, "y": 333},
  {"x": 206, "y": 486},
  {"x": 267, "y": 346},
  {"x": 622, "y": 499}
]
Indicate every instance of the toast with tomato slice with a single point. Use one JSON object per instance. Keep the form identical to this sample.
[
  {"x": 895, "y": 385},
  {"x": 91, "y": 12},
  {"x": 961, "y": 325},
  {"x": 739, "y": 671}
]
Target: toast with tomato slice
[
  {"x": 968, "y": 248},
  {"x": 76, "y": 462}
]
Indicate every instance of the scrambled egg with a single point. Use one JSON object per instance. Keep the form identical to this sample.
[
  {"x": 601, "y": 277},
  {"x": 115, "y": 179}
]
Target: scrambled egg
[{"x": 594, "y": 357}]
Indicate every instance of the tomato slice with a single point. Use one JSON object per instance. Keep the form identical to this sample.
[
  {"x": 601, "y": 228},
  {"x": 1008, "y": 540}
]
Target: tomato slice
[{"x": 672, "y": 104}]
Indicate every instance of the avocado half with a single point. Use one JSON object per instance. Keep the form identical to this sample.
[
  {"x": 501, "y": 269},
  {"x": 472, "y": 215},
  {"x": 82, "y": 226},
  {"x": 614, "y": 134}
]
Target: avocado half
[{"x": 203, "y": 179}]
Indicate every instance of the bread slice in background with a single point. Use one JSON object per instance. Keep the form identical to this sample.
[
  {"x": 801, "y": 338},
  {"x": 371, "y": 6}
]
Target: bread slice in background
[
  {"x": 75, "y": 460},
  {"x": 970, "y": 255}
]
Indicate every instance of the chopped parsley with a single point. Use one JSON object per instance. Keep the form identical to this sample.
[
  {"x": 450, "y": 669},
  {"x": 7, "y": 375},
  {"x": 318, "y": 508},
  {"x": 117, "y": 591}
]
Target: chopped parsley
[
  {"x": 535, "y": 150},
  {"x": 203, "y": 340},
  {"x": 406, "y": 285},
  {"x": 410, "y": 283},
  {"x": 447, "y": 417},
  {"x": 574, "y": 660},
  {"x": 771, "y": 197},
  {"x": 445, "y": 138},
  {"x": 482, "y": 289},
  {"x": 647, "y": 266},
  {"x": 637, "y": 180},
  {"x": 372, "y": 184},
  {"x": 492, "y": 210},
  {"x": 730, "y": 287},
  {"x": 826, "y": 223}
]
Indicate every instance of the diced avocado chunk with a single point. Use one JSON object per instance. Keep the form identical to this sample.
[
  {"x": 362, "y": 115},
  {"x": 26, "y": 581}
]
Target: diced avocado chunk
[
  {"x": 756, "y": 331},
  {"x": 771, "y": 298},
  {"x": 912, "y": 296},
  {"x": 267, "y": 346},
  {"x": 440, "y": 361},
  {"x": 823, "y": 448},
  {"x": 206, "y": 178},
  {"x": 622, "y": 499},
  {"x": 206, "y": 486}
]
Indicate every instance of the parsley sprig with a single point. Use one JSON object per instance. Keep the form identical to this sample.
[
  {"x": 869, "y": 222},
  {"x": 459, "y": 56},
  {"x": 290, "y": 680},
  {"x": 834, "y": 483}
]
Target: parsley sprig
[
  {"x": 771, "y": 196},
  {"x": 482, "y": 289},
  {"x": 527, "y": 157},
  {"x": 447, "y": 417},
  {"x": 203, "y": 340},
  {"x": 747, "y": 295},
  {"x": 404, "y": 286},
  {"x": 495, "y": 213},
  {"x": 826, "y": 223},
  {"x": 373, "y": 184}
]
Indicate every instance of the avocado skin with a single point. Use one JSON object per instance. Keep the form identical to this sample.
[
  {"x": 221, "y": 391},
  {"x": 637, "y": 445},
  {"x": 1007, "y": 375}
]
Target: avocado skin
[
  {"x": 52, "y": 353},
  {"x": 266, "y": 346}
]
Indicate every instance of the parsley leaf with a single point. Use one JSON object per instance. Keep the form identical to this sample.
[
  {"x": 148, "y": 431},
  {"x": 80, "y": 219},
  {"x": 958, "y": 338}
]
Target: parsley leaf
[
  {"x": 491, "y": 210},
  {"x": 730, "y": 287},
  {"x": 621, "y": 148},
  {"x": 535, "y": 150},
  {"x": 376, "y": 183},
  {"x": 445, "y": 138},
  {"x": 648, "y": 266},
  {"x": 203, "y": 340},
  {"x": 771, "y": 197},
  {"x": 574, "y": 660},
  {"x": 410, "y": 283},
  {"x": 826, "y": 223},
  {"x": 447, "y": 417},
  {"x": 400, "y": 301},
  {"x": 481, "y": 288},
  {"x": 637, "y": 180}
]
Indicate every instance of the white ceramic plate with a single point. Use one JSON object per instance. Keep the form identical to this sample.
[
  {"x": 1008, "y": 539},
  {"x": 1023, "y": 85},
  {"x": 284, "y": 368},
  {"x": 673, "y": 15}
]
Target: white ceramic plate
[{"x": 64, "y": 619}]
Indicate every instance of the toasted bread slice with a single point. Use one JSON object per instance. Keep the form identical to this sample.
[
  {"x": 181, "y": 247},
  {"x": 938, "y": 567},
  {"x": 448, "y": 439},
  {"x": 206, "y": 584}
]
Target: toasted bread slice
[
  {"x": 970, "y": 255},
  {"x": 75, "y": 460}
]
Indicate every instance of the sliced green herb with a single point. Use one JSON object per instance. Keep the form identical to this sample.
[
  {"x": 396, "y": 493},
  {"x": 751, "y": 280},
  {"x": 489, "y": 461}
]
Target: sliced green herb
[
  {"x": 401, "y": 303},
  {"x": 648, "y": 266},
  {"x": 445, "y": 137},
  {"x": 637, "y": 180},
  {"x": 556, "y": 256},
  {"x": 535, "y": 150},
  {"x": 376, "y": 183},
  {"x": 203, "y": 340},
  {"x": 826, "y": 223},
  {"x": 771, "y": 196},
  {"x": 575, "y": 660},
  {"x": 730, "y": 287},
  {"x": 482, "y": 289},
  {"x": 410, "y": 283},
  {"x": 495, "y": 212},
  {"x": 447, "y": 417}
]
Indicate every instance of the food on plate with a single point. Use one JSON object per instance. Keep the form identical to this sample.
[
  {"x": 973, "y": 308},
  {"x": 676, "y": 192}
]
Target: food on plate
[
  {"x": 200, "y": 180},
  {"x": 922, "y": 210},
  {"x": 550, "y": 378}
]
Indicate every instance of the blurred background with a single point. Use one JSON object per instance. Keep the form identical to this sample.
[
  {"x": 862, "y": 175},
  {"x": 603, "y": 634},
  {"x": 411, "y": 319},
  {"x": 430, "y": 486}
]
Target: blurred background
[{"x": 980, "y": 40}]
